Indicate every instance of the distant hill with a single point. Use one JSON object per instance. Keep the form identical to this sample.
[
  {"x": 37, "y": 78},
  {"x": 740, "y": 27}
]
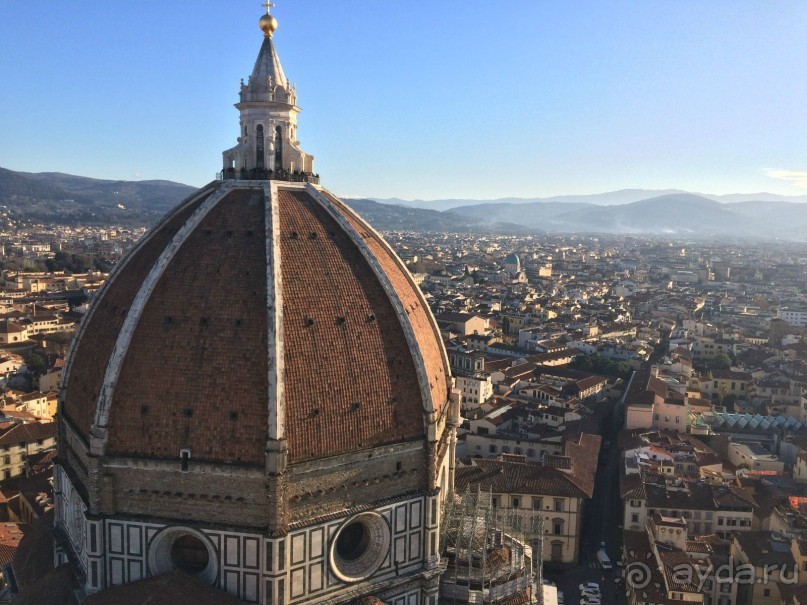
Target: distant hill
[
  {"x": 389, "y": 217},
  {"x": 611, "y": 198},
  {"x": 538, "y": 215},
  {"x": 68, "y": 199},
  {"x": 62, "y": 198},
  {"x": 682, "y": 214},
  {"x": 624, "y": 196}
]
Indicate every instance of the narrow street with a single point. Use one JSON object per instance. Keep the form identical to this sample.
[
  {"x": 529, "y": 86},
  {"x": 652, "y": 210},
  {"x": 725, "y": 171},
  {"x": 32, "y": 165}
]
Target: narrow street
[{"x": 602, "y": 522}]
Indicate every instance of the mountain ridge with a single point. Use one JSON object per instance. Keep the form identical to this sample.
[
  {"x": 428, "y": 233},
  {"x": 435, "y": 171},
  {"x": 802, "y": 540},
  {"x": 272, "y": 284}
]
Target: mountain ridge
[
  {"x": 620, "y": 196},
  {"x": 52, "y": 197}
]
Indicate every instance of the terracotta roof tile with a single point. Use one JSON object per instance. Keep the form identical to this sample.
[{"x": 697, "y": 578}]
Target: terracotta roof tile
[
  {"x": 427, "y": 335},
  {"x": 167, "y": 589},
  {"x": 92, "y": 351},
  {"x": 194, "y": 375},
  {"x": 507, "y": 477},
  {"x": 29, "y": 432},
  {"x": 345, "y": 370}
]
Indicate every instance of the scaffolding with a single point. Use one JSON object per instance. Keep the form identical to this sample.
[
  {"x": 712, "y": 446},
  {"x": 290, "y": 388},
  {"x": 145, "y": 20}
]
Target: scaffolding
[{"x": 493, "y": 554}]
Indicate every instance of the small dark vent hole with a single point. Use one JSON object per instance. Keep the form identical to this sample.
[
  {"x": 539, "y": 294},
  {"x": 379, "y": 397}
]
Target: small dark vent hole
[
  {"x": 371, "y": 318},
  {"x": 315, "y": 412},
  {"x": 250, "y": 233},
  {"x": 229, "y": 234},
  {"x": 340, "y": 321},
  {"x": 331, "y": 233},
  {"x": 203, "y": 322},
  {"x": 168, "y": 320},
  {"x": 208, "y": 232},
  {"x": 398, "y": 466},
  {"x": 393, "y": 400},
  {"x": 188, "y": 412},
  {"x": 238, "y": 322},
  {"x": 309, "y": 321},
  {"x": 312, "y": 235},
  {"x": 356, "y": 405},
  {"x": 233, "y": 416},
  {"x": 144, "y": 409},
  {"x": 293, "y": 235}
]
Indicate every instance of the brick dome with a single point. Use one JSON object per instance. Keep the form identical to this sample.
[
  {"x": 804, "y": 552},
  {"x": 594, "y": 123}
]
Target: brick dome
[{"x": 256, "y": 311}]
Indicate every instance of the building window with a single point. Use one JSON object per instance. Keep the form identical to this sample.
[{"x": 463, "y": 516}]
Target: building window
[
  {"x": 184, "y": 457},
  {"x": 278, "y": 148},
  {"x": 492, "y": 449},
  {"x": 557, "y": 527},
  {"x": 559, "y": 504},
  {"x": 189, "y": 554},
  {"x": 537, "y": 505},
  {"x": 516, "y": 502},
  {"x": 634, "y": 518},
  {"x": 259, "y": 142}
]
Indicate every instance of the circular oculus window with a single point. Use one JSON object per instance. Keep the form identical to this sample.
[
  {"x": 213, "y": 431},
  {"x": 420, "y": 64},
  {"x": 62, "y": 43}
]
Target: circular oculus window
[
  {"x": 183, "y": 549},
  {"x": 359, "y": 547}
]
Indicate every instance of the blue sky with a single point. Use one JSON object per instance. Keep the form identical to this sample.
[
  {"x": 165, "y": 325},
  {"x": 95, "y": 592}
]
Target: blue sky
[{"x": 421, "y": 99}]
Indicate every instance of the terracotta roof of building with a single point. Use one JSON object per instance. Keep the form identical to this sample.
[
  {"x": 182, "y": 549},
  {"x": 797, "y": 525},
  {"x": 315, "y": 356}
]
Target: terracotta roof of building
[
  {"x": 730, "y": 375},
  {"x": 41, "y": 462},
  {"x": 698, "y": 496},
  {"x": 762, "y": 548},
  {"x": 574, "y": 479},
  {"x": 522, "y": 597},
  {"x": 369, "y": 600},
  {"x": 168, "y": 589},
  {"x": 33, "y": 567},
  {"x": 55, "y": 587},
  {"x": 11, "y": 534},
  {"x": 190, "y": 377},
  {"x": 453, "y": 317},
  {"x": 93, "y": 347},
  {"x": 33, "y": 431},
  {"x": 517, "y": 478}
]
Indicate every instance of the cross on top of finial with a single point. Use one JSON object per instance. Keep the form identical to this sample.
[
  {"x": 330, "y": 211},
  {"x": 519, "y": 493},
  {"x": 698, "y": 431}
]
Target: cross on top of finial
[{"x": 268, "y": 5}]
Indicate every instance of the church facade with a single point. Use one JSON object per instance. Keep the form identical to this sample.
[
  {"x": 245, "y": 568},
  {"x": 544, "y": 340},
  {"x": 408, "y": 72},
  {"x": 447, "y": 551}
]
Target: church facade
[{"x": 259, "y": 396}]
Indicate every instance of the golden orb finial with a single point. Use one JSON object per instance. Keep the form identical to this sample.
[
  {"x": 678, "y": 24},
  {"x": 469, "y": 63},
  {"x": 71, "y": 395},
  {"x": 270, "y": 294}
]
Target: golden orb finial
[{"x": 268, "y": 23}]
